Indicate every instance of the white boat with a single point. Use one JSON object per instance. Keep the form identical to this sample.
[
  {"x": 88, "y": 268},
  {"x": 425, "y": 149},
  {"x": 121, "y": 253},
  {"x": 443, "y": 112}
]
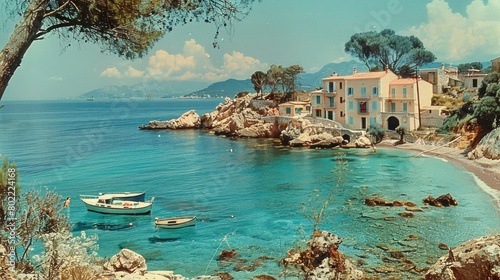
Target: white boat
[
  {"x": 110, "y": 204},
  {"x": 176, "y": 222}
]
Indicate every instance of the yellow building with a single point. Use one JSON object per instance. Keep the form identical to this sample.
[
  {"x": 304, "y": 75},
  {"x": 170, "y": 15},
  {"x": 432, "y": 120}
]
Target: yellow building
[{"x": 369, "y": 98}]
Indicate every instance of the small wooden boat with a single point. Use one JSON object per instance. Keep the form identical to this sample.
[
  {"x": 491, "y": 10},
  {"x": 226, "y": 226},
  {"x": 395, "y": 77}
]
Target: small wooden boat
[
  {"x": 176, "y": 222},
  {"x": 111, "y": 204}
]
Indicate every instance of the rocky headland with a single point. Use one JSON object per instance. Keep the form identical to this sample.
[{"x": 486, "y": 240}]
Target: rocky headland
[{"x": 249, "y": 117}]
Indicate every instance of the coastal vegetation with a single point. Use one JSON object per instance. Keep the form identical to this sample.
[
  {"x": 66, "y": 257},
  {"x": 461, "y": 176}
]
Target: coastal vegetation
[
  {"x": 125, "y": 28},
  {"x": 401, "y": 54},
  {"x": 277, "y": 79},
  {"x": 482, "y": 114}
]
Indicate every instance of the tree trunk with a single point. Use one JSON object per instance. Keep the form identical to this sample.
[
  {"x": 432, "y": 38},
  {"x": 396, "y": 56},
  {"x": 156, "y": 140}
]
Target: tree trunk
[{"x": 23, "y": 35}]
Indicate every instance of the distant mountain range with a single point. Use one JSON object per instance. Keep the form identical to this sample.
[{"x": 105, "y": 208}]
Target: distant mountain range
[
  {"x": 155, "y": 89},
  {"x": 230, "y": 87}
]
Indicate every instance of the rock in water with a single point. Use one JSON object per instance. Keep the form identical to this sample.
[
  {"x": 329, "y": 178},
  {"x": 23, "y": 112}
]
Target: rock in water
[{"x": 322, "y": 260}]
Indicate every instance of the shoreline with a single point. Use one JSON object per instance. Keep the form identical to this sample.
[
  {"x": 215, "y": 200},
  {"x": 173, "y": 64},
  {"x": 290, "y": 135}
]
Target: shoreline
[{"x": 485, "y": 170}]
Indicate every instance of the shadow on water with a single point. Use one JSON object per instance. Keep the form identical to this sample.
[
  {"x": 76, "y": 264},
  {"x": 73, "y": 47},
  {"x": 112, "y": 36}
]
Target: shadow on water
[
  {"x": 83, "y": 226},
  {"x": 156, "y": 239}
]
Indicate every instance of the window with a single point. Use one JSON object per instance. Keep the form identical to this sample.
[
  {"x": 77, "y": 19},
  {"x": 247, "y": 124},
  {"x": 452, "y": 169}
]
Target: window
[
  {"x": 362, "y": 108},
  {"x": 332, "y": 87},
  {"x": 393, "y": 93},
  {"x": 351, "y": 105},
  {"x": 318, "y": 113},
  {"x": 288, "y": 110},
  {"x": 375, "y": 91},
  {"x": 373, "y": 121},
  {"x": 340, "y": 85},
  {"x": 405, "y": 107},
  {"x": 341, "y": 100},
  {"x": 351, "y": 120},
  {"x": 298, "y": 111},
  {"x": 318, "y": 99},
  {"x": 341, "y": 113},
  {"x": 404, "y": 92},
  {"x": 393, "y": 107},
  {"x": 330, "y": 116},
  {"x": 350, "y": 91},
  {"x": 374, "y": 106},
  {"x": 330, "y": 102},
  {"x": 363, "y": 92},
  {"x": 474, "y": 82}
]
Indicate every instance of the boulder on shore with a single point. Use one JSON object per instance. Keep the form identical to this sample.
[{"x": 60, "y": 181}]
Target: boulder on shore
[
  {"x": 488, "y": 147},
  {"x": 477, "y": 258},
  {"x": 126, "y": 261}
]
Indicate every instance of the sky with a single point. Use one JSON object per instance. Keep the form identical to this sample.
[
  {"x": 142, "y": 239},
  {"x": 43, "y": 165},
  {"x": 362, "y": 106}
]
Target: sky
[{"x": 310, "y": 33}]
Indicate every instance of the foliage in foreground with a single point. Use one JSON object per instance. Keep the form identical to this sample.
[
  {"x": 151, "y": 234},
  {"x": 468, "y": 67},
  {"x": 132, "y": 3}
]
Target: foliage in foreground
[{"x": 37, "y": 217}]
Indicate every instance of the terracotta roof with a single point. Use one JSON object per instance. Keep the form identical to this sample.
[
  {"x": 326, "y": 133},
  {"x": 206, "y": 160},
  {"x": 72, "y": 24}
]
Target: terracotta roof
[
  {"x": 403, "y": 81},
  {"x": 366, "y": 75},
  {"x": 359, "y": 76}
]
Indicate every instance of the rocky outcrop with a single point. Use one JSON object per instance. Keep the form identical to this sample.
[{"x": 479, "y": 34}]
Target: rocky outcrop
[
  {"x": 488, "y": 147},
  {"x": 478, "y": 258},
  {"x": 363, "y": 142},
  {"x": 239, "y": 118},
  {"x": 322, "y": 260},
  {"x": 302, "y": 133},
  {"x": 445, "y": 200},
  {"x": 126, "y": 261},
  {"x": 189, "y": 119}
]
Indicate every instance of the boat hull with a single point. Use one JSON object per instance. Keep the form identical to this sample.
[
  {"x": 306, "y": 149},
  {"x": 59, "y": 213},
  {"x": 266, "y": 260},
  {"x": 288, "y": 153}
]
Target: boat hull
[
  {"x": 174, "y": 223},
  {"x": 142, "y": 208}
]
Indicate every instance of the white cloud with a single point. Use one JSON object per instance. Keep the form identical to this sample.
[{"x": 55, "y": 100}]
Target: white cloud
[
  {"x": 453, "y": 37},
  {"x": 193, "y": 63},
  {"x": 111, "y": 72},
  {"x": 134, "y": 73}
]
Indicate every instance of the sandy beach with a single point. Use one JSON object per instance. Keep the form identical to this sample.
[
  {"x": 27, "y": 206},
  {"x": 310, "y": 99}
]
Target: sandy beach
[{"x": 485, "y": 170}]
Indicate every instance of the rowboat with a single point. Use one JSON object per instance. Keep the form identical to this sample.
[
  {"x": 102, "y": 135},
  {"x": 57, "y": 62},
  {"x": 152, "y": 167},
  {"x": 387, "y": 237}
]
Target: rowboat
[
  {"x": 111, "y": 204},
  {"x": 176, "y": 222}
]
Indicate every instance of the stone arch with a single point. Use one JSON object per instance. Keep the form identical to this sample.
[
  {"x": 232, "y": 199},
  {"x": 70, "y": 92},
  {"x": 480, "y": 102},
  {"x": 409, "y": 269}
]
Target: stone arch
[
  {"x": 392, "y": 123},
  {"x": 347, "y": 137}
]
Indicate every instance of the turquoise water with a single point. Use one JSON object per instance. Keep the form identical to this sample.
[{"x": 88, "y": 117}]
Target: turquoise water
[{"x": 248, "y": 195}]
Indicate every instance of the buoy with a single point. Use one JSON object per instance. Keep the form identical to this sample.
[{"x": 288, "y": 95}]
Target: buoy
[
  {"x": 159, "y": 135},
  {"x": 130, "y": 224},
  {"x": 232, "y": 216}
]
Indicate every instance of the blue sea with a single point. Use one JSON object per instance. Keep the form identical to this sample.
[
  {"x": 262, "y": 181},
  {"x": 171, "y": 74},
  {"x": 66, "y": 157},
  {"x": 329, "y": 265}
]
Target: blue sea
[{"x": 250, "y": 195}]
